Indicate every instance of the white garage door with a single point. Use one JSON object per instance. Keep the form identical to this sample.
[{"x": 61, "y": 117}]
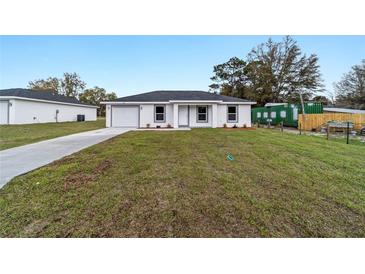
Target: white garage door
[
  {"x": 4, "y": 112},
  {"x": 125, "y": 116}
]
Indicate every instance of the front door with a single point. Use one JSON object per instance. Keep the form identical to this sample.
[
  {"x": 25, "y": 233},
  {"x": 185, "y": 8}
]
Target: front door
[{"x": 183, "y": 116}]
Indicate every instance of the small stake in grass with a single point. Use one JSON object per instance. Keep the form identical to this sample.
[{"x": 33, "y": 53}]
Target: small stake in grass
[
  {"x": 300, "y": 128},
  {"x": 230, "y": 157}
]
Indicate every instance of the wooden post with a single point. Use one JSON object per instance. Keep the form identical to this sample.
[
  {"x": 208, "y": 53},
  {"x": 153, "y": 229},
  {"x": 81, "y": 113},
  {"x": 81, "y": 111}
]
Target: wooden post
[
  {"x": 348, "y": 132},
  {"x": 303, "y": 110},
  {"x": 282, "y": 126},
  {"x": 328, "y": 131},
  {"x": 300, "y": 128}
]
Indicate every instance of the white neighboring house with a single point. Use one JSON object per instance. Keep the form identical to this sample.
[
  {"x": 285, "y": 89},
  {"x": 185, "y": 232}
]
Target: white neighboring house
[
  {"x": 344, "y": 110},
  {"x": 275, "y": 104},
  {"x": 178, "y": 108},
  {"x": 23, "y": 106}
]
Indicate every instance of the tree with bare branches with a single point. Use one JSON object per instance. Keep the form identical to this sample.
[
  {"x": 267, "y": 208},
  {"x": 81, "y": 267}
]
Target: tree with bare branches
[
  {"x": 350, "y": 90},
  {"x": 272, "y": 72}
]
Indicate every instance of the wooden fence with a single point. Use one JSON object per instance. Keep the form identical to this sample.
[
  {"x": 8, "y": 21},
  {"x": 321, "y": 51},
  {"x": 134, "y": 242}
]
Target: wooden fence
[{"x": 315, "y": 121}]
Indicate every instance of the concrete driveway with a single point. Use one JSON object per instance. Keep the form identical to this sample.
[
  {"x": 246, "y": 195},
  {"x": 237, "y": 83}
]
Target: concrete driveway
[{"x": 20, "y": 160}]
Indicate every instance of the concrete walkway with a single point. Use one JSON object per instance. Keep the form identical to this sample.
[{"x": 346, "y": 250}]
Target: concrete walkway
[{"x": 20, "y": 160}]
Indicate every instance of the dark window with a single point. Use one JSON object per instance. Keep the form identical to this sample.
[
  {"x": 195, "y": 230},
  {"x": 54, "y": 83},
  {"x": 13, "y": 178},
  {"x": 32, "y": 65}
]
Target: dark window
[
  {"x": 202, "y": 114},
  {"x": 160, "y": 114},
  {"x": 232, "y": 117},
  {"x": 159, "y": 117},
  {"x": 160, "y": 109},
  {"x": 232, "y": 114}
]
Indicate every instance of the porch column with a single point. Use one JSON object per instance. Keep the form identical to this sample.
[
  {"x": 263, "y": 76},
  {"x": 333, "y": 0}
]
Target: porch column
[
  {"x": 214, "y": 115},
  {"x": 175, "y": 108}
]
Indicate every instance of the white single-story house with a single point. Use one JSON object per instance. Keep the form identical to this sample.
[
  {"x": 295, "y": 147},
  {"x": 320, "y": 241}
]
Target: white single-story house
[
  {"x": 343, "y": 110},
  {"x": 23, "y": 106},
  {"x": 275, "y": 104},
  {"x": 178, "y": 108}
]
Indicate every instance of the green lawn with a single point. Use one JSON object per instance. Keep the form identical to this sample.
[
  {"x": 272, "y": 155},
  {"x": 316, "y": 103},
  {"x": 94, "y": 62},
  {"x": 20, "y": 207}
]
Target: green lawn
[
  {"x": 180, "y": 184},
  {"x": 18, "y": 135}
]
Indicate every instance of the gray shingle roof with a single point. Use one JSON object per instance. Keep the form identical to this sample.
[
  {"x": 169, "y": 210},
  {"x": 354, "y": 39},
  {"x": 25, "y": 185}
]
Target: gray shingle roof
[
  {"x": 41, "y": 95},
  {"x": 167, "y": 95}
]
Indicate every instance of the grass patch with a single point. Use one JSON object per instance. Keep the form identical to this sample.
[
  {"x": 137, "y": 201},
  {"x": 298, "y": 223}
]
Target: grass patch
[
  {"x": 180, "y": 184},
  {"x": 18, "y": 135}
]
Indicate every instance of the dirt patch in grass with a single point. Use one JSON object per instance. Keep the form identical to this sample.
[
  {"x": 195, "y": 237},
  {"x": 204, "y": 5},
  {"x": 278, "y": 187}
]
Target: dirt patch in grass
[
  {"x": 35, "y": 227},
  {"x": 65, "y": 160},
  {"x": 80, "y": 178}
]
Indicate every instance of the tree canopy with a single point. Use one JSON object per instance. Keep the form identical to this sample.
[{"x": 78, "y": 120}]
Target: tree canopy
[
  {"x": 96, "y": 95},
  {"x": 271, "y": 72},
  {"x": 350, "y": 90},
  {"x": 322, "y": 99},
  {"x": 50, "y": 84},
  {"x": 69, "y": 85},
  {"x": 72, "y": 85}
]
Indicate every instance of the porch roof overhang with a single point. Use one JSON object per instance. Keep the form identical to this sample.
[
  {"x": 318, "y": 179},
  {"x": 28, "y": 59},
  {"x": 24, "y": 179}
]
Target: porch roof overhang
[
  {"x": 195, "y": 102},
  {"x": 199, "y": 102}
]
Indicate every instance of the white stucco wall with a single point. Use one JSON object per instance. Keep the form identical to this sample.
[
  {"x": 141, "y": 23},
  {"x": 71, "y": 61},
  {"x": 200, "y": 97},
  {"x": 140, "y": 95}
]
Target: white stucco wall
[
  {"x": 244, "y": 116},
  {"x": 4, "y": 112},
  {"x": 193, "y": 119},
  {"x": 31, "y": 112},
  {"x": 108, "y": 116},
  {"x": 147, "y": 112}
]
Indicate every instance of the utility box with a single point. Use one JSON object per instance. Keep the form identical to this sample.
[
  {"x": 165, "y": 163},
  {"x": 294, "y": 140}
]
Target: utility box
[{"x": 80, "y": 118}]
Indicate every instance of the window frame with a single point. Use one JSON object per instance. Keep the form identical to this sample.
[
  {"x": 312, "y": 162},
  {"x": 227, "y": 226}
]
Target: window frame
[
  {"x": 232, "y": 121},
  {"x": 155, "y": 113},
  {"x": 197, "y": 114},
  {"x": 283, "y": 114},
  {"x": 295, "y": 114}
]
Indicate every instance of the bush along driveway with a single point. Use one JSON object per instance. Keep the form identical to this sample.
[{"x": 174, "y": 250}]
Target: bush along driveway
[{"x": 180, "y": 184}]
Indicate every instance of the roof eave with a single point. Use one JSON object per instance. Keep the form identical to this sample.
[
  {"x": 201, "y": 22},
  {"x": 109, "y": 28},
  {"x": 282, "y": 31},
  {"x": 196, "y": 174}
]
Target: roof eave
[
  {"x": 46, "y": 101},
  {"x": 177, "y": 102}
]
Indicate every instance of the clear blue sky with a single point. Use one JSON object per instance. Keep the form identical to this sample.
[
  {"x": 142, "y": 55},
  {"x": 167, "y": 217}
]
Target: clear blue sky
[{"x": 136, "y": 64}]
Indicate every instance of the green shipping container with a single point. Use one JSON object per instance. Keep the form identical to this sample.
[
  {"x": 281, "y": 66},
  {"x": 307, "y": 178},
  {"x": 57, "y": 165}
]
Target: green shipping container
[{"x": 288, "y": 114}]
